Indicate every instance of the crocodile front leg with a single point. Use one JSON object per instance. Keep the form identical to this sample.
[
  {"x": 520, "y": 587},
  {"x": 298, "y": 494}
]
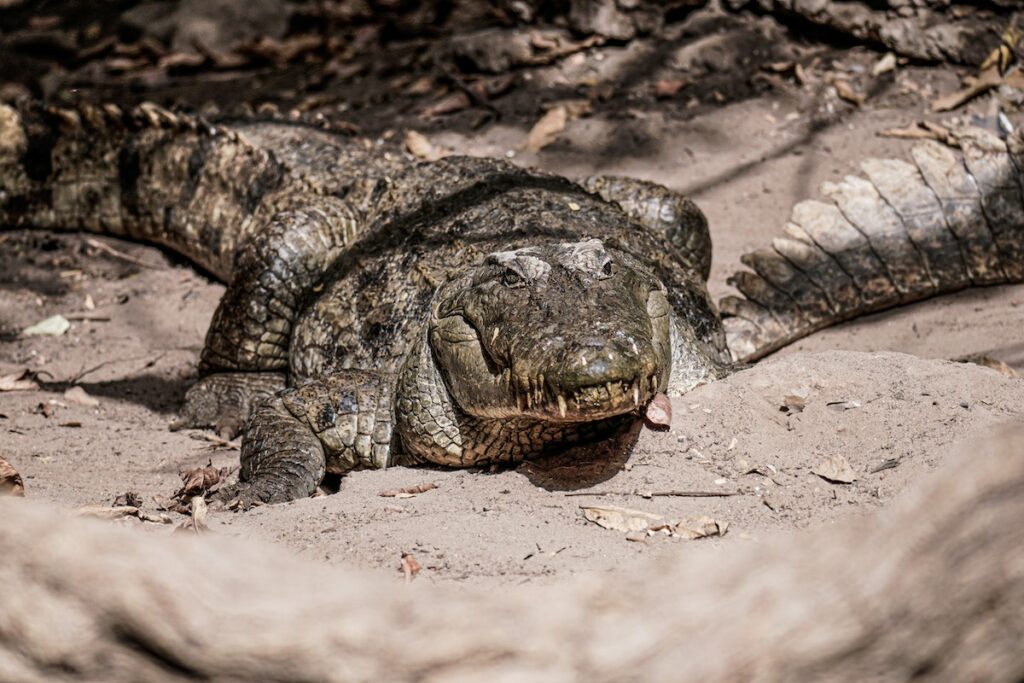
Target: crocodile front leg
[
  {"x": 666, "y": 213},
  {"x": 335, "y": 425},
  {"x": 246, "y": 351}
]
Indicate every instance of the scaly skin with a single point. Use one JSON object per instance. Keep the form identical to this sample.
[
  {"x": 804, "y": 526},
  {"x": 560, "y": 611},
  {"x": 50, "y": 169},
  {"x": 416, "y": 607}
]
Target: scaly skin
[
  {"x": 466, "y": 311},
  {"x": 461, "y": 312}
]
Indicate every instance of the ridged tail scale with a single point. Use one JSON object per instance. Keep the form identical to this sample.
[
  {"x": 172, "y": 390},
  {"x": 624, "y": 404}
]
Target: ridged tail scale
[{"x": 950, "y": 220}]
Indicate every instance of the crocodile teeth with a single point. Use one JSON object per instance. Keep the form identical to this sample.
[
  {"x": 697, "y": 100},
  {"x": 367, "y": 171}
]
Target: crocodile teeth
[
  {"x": 561, "y": 405},
  {"x": 636, "y": 394}
]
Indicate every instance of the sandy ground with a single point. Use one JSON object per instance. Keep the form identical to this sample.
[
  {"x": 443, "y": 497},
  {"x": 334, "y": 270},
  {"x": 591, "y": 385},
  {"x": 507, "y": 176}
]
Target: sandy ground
[{"x": 745, "y": 164}]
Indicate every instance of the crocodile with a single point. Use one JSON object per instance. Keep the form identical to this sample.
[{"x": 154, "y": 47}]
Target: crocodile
[{"x": 386, "y": 311}]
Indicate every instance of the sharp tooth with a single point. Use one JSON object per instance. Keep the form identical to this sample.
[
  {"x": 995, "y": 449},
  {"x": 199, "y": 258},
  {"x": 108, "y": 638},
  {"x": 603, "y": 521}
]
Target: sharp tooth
[
  {"x": 494, "y": 335},
  {"x": 636, "y": 394},
  {"x": 561, "y": 405},
  {"x": 608, "y": 386}
]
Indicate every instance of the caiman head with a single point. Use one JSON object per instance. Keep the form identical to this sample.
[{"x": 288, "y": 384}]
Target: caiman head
[{"x": 569, "y": 332}]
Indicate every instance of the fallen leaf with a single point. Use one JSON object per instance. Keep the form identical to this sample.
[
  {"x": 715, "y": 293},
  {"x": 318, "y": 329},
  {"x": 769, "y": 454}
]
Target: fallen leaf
[
  {"x": 668, "y": 87},
  {"x": 702, "y": 527},
  {"x": 835, "y": 469},
  {"x": 128, "y": 498},
  {"x": 200, "y": 480},
  {"x": 10, "y": 481},
  {"x": 793, "y": 403},
  {"x": 408, "y": 491},
  {"x": 574, "y": 109},
  {"x": 420, "y": 147},
  {"x": 77, "y": 394},
  {"x": 659, "y": 412},
  {"x": 622, "y": 519},
  {"x": 456, "y": 101},
  {"x": 846, "y": 92},
  {"x": 165, "y": 503},
  {"x": 547, "y": 129},
  {"x": 986, "y": 80},
  {"x": 19, "y": 381},
  {"x": 53, "y": 326},
  {"x": 884, "y": 65},
  {"x": 410, "y": 567},
  {"x": 197, "y": 522},
  {"x": 107, "y": 511},
  {"x": 842, "y": 405},
  {"x": 922, "y": 130}
]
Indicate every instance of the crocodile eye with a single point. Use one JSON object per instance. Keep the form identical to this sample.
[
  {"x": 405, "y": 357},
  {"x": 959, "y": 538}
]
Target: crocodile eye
[
  {"x": 512, "y": 279},
  {"x": 608, "y": 269}
]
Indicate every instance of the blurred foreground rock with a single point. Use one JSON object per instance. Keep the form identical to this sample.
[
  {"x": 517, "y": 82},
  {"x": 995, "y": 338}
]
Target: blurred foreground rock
[{"x": 930, "y": 589}]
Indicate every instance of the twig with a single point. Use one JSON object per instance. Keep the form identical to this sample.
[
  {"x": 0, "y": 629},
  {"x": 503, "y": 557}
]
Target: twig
[
  {"x": 657, "y": 494},
  {"x": 82, "y": 373},
  {"x": 215, "y": 440},
  {"x": 120, "y": 254},
  {"x": 92, "y": 317}
]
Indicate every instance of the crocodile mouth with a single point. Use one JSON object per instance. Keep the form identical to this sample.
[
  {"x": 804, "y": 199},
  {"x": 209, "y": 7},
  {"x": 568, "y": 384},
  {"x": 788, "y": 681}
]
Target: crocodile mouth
[{"x": 542, "y": 399}]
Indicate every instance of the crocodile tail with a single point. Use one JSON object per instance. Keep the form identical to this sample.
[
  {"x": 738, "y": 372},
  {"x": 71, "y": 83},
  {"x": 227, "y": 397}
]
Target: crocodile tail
[
  {"x": 951, "y": 219},
  {"x": 144, "y": 173}
]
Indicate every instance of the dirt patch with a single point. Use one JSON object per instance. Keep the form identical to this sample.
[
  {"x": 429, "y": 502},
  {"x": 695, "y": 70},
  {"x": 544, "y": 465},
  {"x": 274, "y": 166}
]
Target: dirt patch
[{"x": 137, "y": 326}]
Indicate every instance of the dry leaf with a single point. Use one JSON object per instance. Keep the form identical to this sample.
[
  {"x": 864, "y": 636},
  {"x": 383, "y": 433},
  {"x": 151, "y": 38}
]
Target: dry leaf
[
  {"x": 846, "y": 92},
  {"x": 922, "y": 130},
  {"x": 668, "y": 87},
  {"x": 10, "y": 481},
  {"x": 702, "y": 527},
  {"x": 107, "y": 512},
  {"x": 659, "y": 412},
  {"x": 77, "y": 394},
  {"x": 19, "y": 381},
  {"x": 622, "y": 519},
  {"x": 121, "y": 511},
  {"x": 410, "y": 567},
  {"x": 408, "y": 491},
  {"x": 457, "y": 101},
  {"x": 200, "y": 480},
  {"x": 793, "y": 403},
  {"x": 53, "y": 326},
  {"x": 547, "y": 129},
  {"x": 835, "y": 469},
  {"x": 165, "y": 503},
  {"x": 884, "y": 65},
  {"x": 197, "y": 522},
  {"x": 420, "y": 147},
  {"x": 130, "y": 498},
  {"x": 985, "y": 81}
]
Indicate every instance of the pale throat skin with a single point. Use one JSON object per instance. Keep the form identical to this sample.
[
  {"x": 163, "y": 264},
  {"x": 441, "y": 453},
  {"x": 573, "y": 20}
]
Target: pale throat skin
[{"x": 543, "y": 345}]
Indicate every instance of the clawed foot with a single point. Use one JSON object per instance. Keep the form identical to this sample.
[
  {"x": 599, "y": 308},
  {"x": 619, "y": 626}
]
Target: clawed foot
[
  {"x": 239, "y": 496},
  {"x": 224, "y": 401}
]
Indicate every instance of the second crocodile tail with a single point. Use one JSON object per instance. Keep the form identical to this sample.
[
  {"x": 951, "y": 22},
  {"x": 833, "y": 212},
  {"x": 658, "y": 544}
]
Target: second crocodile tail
[{"x": 948, "y": 220}]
